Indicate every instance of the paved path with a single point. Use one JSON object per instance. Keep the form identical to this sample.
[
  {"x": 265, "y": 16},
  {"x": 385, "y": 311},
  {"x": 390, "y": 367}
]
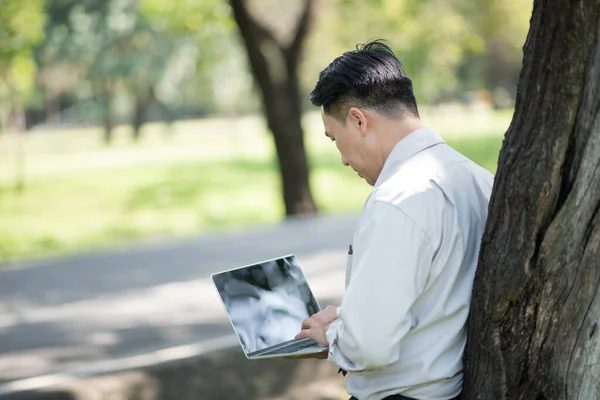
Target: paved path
[{"x": 67, "y": 313}]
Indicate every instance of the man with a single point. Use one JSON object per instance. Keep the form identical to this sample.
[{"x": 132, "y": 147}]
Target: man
[{"x": 400, "y": 330}]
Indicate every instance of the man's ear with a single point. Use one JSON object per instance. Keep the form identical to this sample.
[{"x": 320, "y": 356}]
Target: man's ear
[{"x": 358, "y": 119}]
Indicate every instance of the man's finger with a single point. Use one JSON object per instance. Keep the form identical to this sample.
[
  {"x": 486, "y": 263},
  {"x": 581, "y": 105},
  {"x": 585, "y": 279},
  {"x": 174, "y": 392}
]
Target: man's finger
[
  {"x": 303, "y": 334},
  {"x": 307, "y": 323}
]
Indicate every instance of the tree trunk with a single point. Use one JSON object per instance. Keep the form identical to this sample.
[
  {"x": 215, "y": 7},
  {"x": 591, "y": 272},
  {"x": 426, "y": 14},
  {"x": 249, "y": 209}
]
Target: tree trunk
[
  {"x": 107, "y": 114},
  {"x": 274, "y": 67},
  {"x": 52, "y": 107},
  {"x": 108, "y": 123},
  {"x": 139, "y": 116},
  {"x": 19, "y": 127},
  {"x": 533, "y": 327}
]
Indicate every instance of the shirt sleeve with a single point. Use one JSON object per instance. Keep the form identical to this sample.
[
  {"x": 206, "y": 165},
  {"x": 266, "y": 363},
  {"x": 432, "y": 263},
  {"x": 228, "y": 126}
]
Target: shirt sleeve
[{"x": 391, "y": 261}]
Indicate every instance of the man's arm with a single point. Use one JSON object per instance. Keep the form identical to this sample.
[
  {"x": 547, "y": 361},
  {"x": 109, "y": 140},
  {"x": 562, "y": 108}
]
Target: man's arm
[{"x": 390, "y": 266}]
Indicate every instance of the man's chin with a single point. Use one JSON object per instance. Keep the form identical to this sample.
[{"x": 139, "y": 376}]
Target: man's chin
[
  {"x": 363, "y": 178},
  {"x": 371, "y": 183}
]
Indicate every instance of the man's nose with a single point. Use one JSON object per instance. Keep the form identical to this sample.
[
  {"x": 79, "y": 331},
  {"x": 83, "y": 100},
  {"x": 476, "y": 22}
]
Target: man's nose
[{"x": 345, "y": 162}]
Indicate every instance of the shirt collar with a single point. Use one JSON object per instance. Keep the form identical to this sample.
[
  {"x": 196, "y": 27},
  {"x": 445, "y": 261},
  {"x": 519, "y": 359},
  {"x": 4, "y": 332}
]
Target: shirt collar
[{"x": 409, "y": 146}]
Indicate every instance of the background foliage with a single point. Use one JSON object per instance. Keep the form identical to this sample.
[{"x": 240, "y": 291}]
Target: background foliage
[{"x": 76, "y": 75}]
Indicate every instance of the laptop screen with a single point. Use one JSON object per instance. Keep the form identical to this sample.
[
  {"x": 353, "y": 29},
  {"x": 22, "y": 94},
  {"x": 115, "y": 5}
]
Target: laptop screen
[{"x": 266, "y": 302}]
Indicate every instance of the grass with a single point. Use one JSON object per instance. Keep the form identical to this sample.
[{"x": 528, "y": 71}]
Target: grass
[{"x": 200, "y": 176}]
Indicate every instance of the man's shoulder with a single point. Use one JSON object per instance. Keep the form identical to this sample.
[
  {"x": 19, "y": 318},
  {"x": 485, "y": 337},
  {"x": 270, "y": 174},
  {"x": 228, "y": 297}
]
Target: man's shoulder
[
  {"x": 389, "y": 205},
  {"x": 437, "y": 167},
  {"x": 412, "y": 185},
  {"x": 423, "y": 186}
]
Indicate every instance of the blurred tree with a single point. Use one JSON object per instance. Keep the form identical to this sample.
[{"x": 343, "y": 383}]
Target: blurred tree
[
  {"x": 475, "y": 45},
  {"x": 138, "y": 61},
  {"x": 533, "y": 327},
  {"x": 209, "y": 34},
  {"x": 430, "y": 56},
  {"x": 76, "y": 54},
  {"x": 113, "y": 48},
  {"x": 469, "y": 49},
  {"x": 20, "y": 30},
  {"x": 502, "y": 26},
  {"x": 274, "y": 64}
]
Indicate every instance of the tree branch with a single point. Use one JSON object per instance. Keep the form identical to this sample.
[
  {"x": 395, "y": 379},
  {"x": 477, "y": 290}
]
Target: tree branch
[
  {"x": 253, "y": 34},
  {"x": 246, "y": 21},
  {"x": 294, "y": 50}
]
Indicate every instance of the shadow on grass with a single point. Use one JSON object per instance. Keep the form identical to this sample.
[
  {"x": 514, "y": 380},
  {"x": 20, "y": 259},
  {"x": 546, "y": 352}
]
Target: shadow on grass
[
  {"x": 186, "y": 184},
  {"x": 191, "y": 197}
]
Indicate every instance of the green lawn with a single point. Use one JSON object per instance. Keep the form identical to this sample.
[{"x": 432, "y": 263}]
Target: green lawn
[{"x": 200, "y": 176}]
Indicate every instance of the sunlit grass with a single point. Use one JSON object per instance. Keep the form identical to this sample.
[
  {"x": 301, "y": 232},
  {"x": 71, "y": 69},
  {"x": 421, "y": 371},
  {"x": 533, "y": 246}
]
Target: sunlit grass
[{"x": 204, "y": 176}]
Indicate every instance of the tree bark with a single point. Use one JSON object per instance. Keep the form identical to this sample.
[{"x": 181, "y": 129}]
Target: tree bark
[
  {"x": 275, "y": 70},
  {"x": 533, "y": 326}
]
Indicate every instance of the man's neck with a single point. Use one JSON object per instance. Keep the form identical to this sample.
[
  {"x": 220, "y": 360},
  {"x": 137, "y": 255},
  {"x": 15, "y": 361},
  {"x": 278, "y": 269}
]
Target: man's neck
[{"x": 395, "y": 131}]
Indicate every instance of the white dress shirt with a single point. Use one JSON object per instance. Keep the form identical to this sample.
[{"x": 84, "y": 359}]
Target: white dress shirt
[{"x": 401, "y": 326}]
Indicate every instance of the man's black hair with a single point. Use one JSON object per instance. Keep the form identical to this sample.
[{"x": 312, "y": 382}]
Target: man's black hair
[{"x": 371, "y": 77}]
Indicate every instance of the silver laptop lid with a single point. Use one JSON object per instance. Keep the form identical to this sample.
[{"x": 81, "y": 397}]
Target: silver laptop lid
[{"x": 266, "y": 302}]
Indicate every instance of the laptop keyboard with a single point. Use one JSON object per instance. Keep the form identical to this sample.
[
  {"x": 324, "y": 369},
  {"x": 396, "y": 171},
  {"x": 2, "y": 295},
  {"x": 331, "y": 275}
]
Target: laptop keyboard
[{"x": 287, "y": 347}]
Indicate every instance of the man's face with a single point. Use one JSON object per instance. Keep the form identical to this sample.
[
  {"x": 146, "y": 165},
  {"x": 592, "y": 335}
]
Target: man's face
[{"x": 351, "y": 145}]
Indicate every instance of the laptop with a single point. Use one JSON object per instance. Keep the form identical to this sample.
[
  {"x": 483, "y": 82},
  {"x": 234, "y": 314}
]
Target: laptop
[{"x": 266, "y": 303}]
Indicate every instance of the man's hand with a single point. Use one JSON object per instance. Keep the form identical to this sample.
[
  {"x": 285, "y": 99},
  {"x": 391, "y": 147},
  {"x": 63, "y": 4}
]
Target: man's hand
[{"x": 316, "y": 326}]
